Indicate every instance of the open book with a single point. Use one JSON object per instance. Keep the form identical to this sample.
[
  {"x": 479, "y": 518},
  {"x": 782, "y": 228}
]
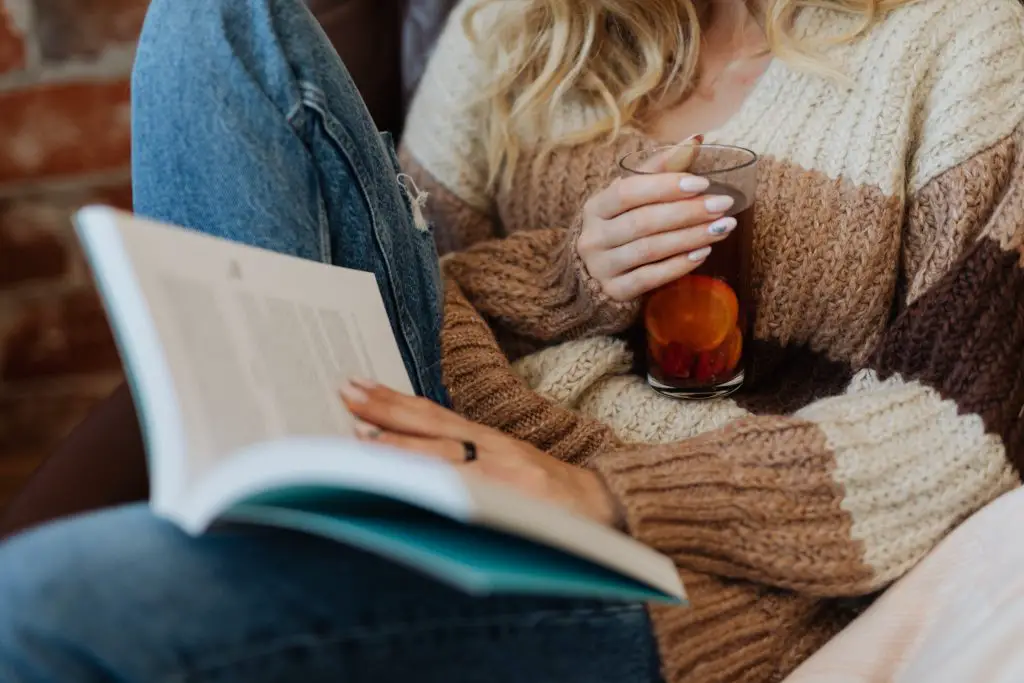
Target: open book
[{"x": 235, "y": 356}]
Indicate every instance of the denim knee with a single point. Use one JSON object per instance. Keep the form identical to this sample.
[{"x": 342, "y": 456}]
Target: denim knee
[
  {"x": 21, "y": 600},
  {"x": 190, "y": 46},
  {"x": 52, "y": 579},
  {"x": 71, "y": 590},
  {"x": 43, "y": 594}
]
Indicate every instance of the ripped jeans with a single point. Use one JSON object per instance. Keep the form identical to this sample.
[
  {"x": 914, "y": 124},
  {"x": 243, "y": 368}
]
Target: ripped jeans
[{"x": 247, "y": 126}]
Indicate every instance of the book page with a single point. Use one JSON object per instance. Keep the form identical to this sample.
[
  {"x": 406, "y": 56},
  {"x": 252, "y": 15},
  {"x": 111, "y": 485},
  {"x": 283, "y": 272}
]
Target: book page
[
  {"x": 236, "y": 356},
  {"x": 256, "y": 344}
]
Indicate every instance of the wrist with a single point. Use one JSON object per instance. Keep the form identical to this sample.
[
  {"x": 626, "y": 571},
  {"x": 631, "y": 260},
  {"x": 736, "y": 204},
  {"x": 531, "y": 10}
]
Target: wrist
[
  {"x": 603, "y": 314},
  {"x": 603, "y": 503}
]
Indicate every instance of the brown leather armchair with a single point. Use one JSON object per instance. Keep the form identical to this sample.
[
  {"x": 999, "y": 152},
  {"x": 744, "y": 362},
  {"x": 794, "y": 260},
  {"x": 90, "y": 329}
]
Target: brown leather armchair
[{"x": 384, "y": 44}]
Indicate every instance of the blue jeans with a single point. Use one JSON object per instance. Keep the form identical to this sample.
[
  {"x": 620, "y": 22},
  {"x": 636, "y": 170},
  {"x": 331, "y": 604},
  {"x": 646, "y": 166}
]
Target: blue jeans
[{"x": 248, "y": 126}]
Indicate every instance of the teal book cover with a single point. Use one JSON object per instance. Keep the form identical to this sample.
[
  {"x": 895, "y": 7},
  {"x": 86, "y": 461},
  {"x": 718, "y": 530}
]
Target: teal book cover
[{"x": 477, "y": 560}]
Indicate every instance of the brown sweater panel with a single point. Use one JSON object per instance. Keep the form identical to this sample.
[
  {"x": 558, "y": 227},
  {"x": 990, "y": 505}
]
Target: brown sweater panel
[
  {"x": 456, "y": 225},
  {"x": 484, "y": 389},
  {"x": 964, "y": 333}
]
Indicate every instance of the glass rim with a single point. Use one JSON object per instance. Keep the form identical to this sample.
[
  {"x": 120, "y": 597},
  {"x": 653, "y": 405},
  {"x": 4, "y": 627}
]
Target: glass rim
[{"x": 753, "y": 158}]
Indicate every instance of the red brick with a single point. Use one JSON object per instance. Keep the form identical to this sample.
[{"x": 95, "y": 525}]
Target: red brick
[
  {"x": 12, "y": 46},
  {"x": 64, "y": 129},
  {"x": 83, "y": 28},
  {"x": 57, "y": 337},
  {"x": 32, "y": 242}
]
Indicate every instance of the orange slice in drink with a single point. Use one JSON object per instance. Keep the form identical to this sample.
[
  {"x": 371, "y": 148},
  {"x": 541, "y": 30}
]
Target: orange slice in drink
[
  {"x": 733, "y": 347},
  {"x": 697, "y": 312},
  {"x": 723, "y": 359}
]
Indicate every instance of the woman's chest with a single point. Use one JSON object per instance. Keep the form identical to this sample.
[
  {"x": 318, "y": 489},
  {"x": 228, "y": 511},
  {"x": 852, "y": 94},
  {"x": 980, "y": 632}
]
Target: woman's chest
[{"x": 825, "y": 255}]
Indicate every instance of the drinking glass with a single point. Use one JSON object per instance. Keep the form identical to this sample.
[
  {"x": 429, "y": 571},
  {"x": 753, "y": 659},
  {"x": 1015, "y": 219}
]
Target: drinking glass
[{"x": 698, "y": 327}]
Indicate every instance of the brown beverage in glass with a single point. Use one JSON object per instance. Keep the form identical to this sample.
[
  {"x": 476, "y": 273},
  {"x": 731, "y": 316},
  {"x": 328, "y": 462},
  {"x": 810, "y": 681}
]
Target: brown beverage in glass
[{"x": 697, "y": 327}]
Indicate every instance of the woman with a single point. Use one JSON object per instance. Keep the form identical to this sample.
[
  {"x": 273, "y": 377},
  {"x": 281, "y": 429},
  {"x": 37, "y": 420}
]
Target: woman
[{"x": 887, "y": 389}]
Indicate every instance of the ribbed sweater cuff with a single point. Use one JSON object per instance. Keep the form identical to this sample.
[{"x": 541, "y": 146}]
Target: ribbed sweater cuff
[
  {"x": 754, "y": 500},
  {"x": 571, "y": 282},
  {"x": 534, "y": 284}
]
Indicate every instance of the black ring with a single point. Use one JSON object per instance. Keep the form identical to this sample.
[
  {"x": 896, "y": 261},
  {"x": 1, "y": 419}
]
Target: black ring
[{"x": 468, "y": 451}]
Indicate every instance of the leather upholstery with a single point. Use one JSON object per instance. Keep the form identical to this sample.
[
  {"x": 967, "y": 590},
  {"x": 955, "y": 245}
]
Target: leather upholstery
[{"x": 385, "y": 44}]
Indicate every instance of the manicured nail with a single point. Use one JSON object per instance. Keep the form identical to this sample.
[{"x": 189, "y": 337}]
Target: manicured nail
[
  {"x": 722, "y": 226},
  {"x": 695, "y": 139},
  {"x": 694, "y": 183},
  {"x": 353, "y": 394},
  {"x": 718, "y": 203},
  {"x": 364, "y": 383},
  {"x": 366, "y": 431},
  {"x": 699, "y": 255}
]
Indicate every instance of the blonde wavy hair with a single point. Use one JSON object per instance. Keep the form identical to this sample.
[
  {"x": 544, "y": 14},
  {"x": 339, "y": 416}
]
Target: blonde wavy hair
[{"x": 630, "y": 58}]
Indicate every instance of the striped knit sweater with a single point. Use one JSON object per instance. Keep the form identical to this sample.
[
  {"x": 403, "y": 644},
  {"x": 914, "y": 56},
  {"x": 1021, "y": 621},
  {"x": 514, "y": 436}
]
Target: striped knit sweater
[{"x": 885, "y": 401}]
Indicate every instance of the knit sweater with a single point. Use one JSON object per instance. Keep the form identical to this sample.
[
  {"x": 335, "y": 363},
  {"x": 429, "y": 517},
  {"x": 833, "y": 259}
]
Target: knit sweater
[{"x": 884, "y": 399}]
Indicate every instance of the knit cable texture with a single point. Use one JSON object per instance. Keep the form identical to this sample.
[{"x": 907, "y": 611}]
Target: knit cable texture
[{"x": 885, "y": 393}]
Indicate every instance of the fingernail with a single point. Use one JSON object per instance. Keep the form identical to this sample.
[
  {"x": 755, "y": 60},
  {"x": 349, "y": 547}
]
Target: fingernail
[
  {"x": 353, "y": 394},
  {"x": 694, "y": 183},
  {"x": 366, "y": 431},
  {"x": 364, "y": 383},
  {"x": 718, "y": 203},
  {"x": 722, "y": 226},
  {"x": 696, "y": 139},
  {"x": 699, "y": 254}
]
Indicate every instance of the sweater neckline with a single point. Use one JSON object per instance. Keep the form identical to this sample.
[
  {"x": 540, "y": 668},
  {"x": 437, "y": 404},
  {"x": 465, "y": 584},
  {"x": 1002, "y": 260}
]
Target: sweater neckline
[{"x": 768, "y": 88}]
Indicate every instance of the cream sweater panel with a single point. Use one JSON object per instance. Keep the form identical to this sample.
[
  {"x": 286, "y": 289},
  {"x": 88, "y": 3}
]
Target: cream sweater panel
[
  {"x": 915, "y": 108},
  {"x": 912, "y": 107}
]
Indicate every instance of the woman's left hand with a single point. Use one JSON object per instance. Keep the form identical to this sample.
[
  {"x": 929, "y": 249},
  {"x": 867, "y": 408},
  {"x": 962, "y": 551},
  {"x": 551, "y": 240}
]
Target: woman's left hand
[{"x": 420, "y": 425}]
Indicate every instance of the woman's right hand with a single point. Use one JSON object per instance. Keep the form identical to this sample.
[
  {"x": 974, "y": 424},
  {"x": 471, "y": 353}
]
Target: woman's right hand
[{"x": 644, "y": 231}]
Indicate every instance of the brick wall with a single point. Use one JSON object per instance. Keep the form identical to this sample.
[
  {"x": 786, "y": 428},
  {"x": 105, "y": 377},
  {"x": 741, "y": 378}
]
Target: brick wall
[{"x": 64, "y": 142}]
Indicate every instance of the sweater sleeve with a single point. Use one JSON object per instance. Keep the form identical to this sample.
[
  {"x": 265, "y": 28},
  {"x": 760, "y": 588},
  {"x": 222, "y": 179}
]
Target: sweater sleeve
[
  {"x": 534, "y": 285},
  {"x": 531, "y": 286},
  {"x": 846, "y": 494}
]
